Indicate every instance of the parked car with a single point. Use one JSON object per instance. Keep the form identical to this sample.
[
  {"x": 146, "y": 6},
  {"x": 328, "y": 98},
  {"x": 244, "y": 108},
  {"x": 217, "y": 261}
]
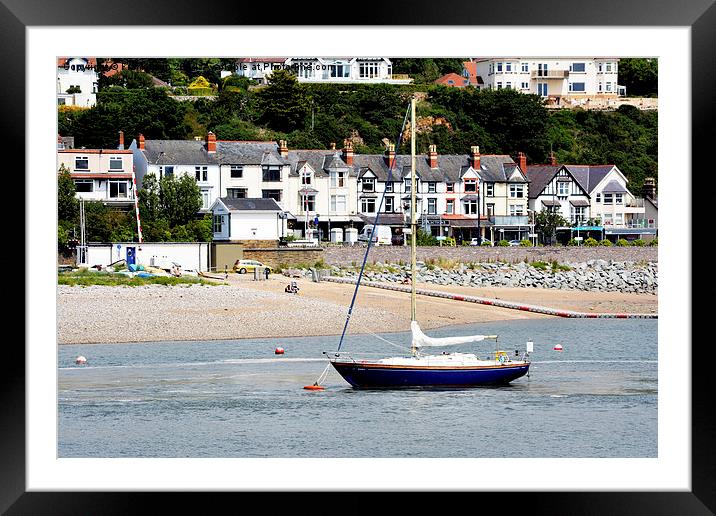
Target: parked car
[
  {"x": 474, "y": 241},
  {"x": 244, "y": 266},
  {"x": 514, "y": 243},
  {"x": 383, "y": 234}
]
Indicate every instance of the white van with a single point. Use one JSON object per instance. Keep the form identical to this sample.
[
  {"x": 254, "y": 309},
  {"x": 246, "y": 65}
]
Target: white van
[{"x": 383, "y": 234}]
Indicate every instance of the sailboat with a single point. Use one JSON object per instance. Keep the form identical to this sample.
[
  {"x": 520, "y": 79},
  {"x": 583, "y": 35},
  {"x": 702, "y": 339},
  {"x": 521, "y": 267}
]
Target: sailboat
[{"x": 448, "y": 369}]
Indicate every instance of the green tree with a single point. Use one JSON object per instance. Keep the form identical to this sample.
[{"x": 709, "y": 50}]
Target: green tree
[
  {"x": 149, "y": 200},
  {"x": 283, "y": 103},
  {"x": 640, "y": 76},
  {"x": 180, "y": 199},
  {"x": 128, "y": 79},
  {"x": 546, "y": 224},
  {"x": 67, "y": 204}
]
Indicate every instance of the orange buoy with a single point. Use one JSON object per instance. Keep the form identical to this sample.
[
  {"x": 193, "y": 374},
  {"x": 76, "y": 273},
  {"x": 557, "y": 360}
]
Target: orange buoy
[
  {"x": 278, "y": 351},
  {"x": 557, "y": 347},
  {"x": 314, "y": 387},
  {"x": 80, "y": 360}
]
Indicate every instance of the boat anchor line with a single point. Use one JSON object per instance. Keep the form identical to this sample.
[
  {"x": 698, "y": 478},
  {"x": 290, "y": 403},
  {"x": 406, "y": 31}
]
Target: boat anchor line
[{"x": 496, "y": 302}]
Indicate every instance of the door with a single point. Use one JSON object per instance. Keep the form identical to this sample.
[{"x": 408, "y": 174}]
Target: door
[
  {"x": 130, "y": 255},
  {"x": 542, "y": 89}
]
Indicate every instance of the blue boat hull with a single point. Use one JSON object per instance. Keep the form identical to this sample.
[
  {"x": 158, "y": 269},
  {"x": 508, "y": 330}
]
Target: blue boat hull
[{"x": 362, "y": 376}]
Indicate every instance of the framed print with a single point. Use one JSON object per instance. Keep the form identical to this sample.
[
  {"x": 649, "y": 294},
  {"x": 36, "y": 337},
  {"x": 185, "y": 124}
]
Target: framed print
[{"x": 89, "y": 427}]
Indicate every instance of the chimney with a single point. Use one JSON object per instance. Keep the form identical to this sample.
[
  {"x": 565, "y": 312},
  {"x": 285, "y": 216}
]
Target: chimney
[
  {"x": 552, "y": 158},
  {"x": 210, "y": 143},
  {"x": 475, "y": 157},
  {"x": 333, "y": 145},
  {"x": 390, "y": 155},
  {"x": 140, "y": 141},
  {"x": 649, "y": 188},
  {"x": 522, "y": 161},
  {"x": 433, "y": 156},
  {"x": 283, "y": 149},
  {"x": 348, "y": 152},
  {"x": 121, "y": 141}
]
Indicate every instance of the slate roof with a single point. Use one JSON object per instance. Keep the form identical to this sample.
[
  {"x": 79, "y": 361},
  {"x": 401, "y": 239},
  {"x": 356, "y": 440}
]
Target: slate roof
[
  {"x": 540, "y": 176},
  {"x": 319, "y": 160},
  {"x": 191, "y": 152},
  {"x": 250, "y": 204},
  {"x": 614, "y": 186},
  {"x": 589, "y": 176}
]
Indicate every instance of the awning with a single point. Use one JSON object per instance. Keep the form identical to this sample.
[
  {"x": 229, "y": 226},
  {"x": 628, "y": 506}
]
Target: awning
[
  {"x": 550, "y": 202},
  {"x": 469, "y": 197},
  {"x": 308, "y": 191},
  {"x": 579, "y": 202}
]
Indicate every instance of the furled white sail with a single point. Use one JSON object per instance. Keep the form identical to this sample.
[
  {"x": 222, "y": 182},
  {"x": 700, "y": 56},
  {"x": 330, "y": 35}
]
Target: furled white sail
[{"x": 421, "y": 340}]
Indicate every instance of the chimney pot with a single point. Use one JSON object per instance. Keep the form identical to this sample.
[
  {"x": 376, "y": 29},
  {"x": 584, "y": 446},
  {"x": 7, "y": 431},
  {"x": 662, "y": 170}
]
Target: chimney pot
[
  {"x": 522, "y": 161},
  {"x": 283, "y": 148},
  {"x": 433, "y": 156},
  {"x": 390, "y": 155},
  {"x": 475, "y": 157},
  {"x": 348, "y": 152},
  {"x": 121, "y": 141},
  {"x": 140, "y": 141},
  {"x": 552, "y": 158}
]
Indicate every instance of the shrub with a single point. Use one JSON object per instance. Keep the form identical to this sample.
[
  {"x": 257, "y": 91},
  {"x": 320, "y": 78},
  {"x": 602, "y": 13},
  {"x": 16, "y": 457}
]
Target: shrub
[
  {"x": 486, "y": 243},
  {"x": 525, "y": 243},
  {"x": 622, "y": 243},
  {"x": 605, "y": 242},
  {"x": 572, "y": 242},
  {"x": 450, "y": 241},
  {"x": 503, "y": 243},
  {"x": 638, "y": 242},
  {"x": 539, "y": 265},
  {"x": 591, "y": 242},
  {"x": 654, "y": 242}
]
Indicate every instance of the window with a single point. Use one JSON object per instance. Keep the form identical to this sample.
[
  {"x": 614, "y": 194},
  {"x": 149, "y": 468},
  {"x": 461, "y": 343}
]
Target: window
[
  {"x": 577, "y": 86},
  {"x": 600, "y": 86},
  {"x": 525, "y": 67},
  {"x": 368, "y": 70},
  {"x": 499, "y": 85},
  {"x": 115, "y": 163},
  {"x": 205, "y": 199},
  {"x": 218, "y": 223},
  {"x": 470, "y": 186},
  {"x": 562, "y": 188},
  {"x": 577, "y": 67},
  {"x": 236, "y": 193},
  {"x": 432, "y": 187},
  {"x": 432, "y": 206},
  {"x": 608, "y": 198},
  {"x": 609, "y": 67},
  {"x": 508, "y": 67},
  {"x": 599, "y": 197},
  {"x": 608, "y": 219},
  {"x": 308, "y": 202},
  {"x": 517, "y": 210},
  {"x": 490, "y": 189},
  {"x": 499, "y": 67},
  {"x": 271, "y": 194},
  {"x": 60, "y": 102},
  {"x": 407, "y": 186},
  {"x": 338, "y": 203},
  {"x": 201, "y": 173},
  {"x": 618, "y": 198},
  {"x": 82, "y": 163},
  {"x": 542, "y": 70},
  {"x": 599, "y": 67},
  {"x": 450, "y": 206},
  {"x": 166, "y": 171},
  {"x": 306, "y": 178},
  {"x": 577, "y": 214},
  {"x": 490, "y": 210},
  {"x": 337, "y": 179},
  {"x": 367, "y": 205},
  {"x": 542, "y": 89},
  {"x": 618, "y": 219},
  {"x": 237, "y": 171},
  {"x": 525, "y": 86},
  {"x": 508, "y": 85},
  {"x": 389, "y": 204},
  {"x": 84, "y": 185},
  {"x": 609, "y": 86},
  {"x": 450, "y": 187},
  {"x": 271, "y": 174},
  {"x": 517, "y": 191},
  {"x": 117, "y": 189},
  {"x": 470, "y": 207},
  {"x": 339, "y": 70},
  {"x": 368, "y": 184},
  {"x": 389, "y": 187}
]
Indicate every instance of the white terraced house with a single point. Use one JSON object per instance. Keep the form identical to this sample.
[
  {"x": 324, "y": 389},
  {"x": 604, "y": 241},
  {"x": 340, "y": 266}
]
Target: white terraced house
[
  {"x": 342, "y": 70},
  {"x": 101, "y": 174},
  {"x": 77, "y": 81},
  {"x": 570, "y": 77}
]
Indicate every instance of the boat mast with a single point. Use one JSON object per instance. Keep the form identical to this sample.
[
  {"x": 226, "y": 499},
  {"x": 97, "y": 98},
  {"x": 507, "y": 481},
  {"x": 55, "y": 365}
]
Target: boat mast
[{"x": 413, "y": 222}]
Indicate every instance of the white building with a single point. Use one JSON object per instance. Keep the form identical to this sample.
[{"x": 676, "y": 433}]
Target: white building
[
  {"x": 77, "y": 81},
  {"x": 555, "y": 78},
  {"x": 342, "y": 70},
  {"x": 101, "y": 174},
  {"x": 247, "y": 219}
]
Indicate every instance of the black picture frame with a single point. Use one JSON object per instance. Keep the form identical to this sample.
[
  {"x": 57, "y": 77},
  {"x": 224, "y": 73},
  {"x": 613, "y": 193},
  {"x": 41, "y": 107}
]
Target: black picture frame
[{"x": 16, "y": 15}]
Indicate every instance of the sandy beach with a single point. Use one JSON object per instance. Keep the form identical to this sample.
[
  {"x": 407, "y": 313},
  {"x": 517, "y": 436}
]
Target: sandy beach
[{"x": 253, "y": 309}]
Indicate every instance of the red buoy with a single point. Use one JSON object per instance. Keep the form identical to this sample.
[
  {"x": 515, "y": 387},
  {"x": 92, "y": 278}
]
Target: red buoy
[
  {"x": 557, "y": 347},
  {"x": 278, "y": 351},
  {"x": 314, "y": 387}
]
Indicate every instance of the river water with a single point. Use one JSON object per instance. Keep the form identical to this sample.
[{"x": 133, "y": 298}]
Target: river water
[{"x": 596, "y": 398}]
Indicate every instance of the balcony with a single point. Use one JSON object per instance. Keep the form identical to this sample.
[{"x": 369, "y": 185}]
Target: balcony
[
  {"x": 549, "y": 74},
  {"x": 510, "y": 220}
]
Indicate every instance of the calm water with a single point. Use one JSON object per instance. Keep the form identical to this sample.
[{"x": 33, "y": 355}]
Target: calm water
[{"x": 597, "y": 398}]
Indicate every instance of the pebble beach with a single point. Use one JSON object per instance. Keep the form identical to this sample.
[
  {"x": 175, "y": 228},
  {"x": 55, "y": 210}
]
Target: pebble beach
[{"x": 243, "y": 308}]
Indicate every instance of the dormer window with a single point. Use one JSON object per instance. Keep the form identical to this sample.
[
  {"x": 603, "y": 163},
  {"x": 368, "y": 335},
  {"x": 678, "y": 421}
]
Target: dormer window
[
  {"x": 306, "y": 178},
  {"x": 368, "y": 184},
  {"x": 470, "y": 185},
  {"x": 271, "y": 174}
]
